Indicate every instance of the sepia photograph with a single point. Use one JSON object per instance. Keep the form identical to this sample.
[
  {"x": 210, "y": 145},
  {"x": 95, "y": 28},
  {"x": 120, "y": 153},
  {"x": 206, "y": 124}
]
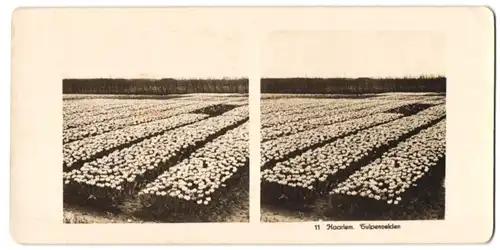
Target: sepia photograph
[
  {"x": 355, "y": 131},
  {"x": 161, "y": 150}
]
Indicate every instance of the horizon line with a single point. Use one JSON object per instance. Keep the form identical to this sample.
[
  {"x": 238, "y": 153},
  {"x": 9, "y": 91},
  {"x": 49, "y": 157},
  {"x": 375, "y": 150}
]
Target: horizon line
[
  {"x": 361, "y": 77},
  {"x": 155, "y": 78}
]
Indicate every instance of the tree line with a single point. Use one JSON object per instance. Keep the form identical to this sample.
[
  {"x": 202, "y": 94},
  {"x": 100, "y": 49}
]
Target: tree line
[
  {"x": 352, "y": 85},
  {"x": 154, "y": 86}
]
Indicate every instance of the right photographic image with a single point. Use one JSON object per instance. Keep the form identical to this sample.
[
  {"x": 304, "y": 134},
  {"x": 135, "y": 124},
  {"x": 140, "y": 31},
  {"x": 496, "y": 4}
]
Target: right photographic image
[{"x": 353, "y": 126}]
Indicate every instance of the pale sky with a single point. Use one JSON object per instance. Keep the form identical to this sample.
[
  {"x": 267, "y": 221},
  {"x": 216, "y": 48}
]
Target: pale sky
[
  {"x": 150, "y": 45},
  {"x": 352, "y": 54},
  {"x": 154, "y": 44}
]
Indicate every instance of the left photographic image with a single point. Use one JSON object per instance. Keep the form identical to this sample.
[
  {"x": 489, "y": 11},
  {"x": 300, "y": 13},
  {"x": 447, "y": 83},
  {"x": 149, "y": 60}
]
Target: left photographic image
[{"x": 164, "y": 150}]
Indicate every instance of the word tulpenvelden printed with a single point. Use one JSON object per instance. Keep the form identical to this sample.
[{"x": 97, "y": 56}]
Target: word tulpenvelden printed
[{"x": 386, "y": 226}]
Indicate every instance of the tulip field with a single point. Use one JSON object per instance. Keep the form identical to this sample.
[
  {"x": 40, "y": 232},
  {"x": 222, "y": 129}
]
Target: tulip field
[
  {"x": 351, "y": 158},
  {"x": 179, "y": 159}
]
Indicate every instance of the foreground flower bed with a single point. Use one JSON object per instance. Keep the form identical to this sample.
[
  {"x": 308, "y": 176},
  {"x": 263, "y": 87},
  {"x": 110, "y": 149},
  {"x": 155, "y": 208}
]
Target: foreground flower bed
[
  {"x": 194, "y": 181},
  {"x": 390, "y": 176}
]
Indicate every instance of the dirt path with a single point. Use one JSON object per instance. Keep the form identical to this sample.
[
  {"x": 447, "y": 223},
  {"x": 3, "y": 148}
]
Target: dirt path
[
  {"x": 274, "y": 213},
  {"x": 426, "y": 207},
  {"x": 233, "y": 208}
]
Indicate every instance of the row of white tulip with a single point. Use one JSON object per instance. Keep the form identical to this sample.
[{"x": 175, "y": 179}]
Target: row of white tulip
[
  {"x": 241, "y": 111},
  {"x": 91, "y": 106},
  {"x": 408, "y": 97},
  {"x": 268, "y": 107},
  {"x": 75, "y": 97},
  {"x": 237, "y": 102},
  {"x": 205, "y": 171},
  {"x": 304, "y": 96},
  {"x": 137, "y": 110},
  {"x": 78, "y": 133},
  {"x": 280, "y": 148},
  {"x": 388, "y": 177},
  {"x": 291, "y": 127},
  {"x": 298, "y": 115},
  {"x": 88, "y": 148},
  {"x": 433, "y": 102}
]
